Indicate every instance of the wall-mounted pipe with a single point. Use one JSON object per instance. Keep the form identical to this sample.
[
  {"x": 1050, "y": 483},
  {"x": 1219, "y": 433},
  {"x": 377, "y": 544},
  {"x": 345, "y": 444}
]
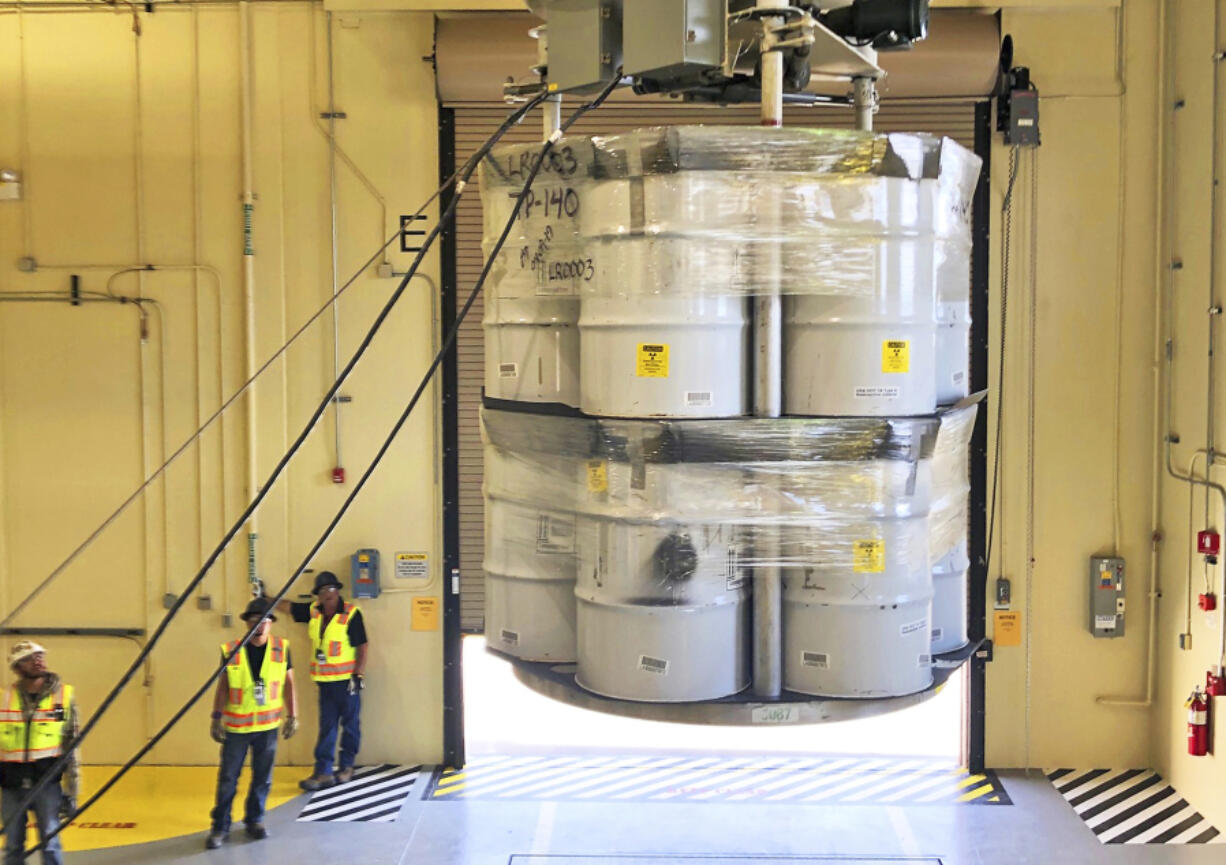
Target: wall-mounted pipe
[
  {"x": 338, "y": 466},
  {"x": 247, "y": 99}
]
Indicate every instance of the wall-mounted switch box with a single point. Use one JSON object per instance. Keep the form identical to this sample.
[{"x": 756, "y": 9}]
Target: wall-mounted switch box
[
  {"x": 1106, "y": 596},
  {"x": 10, "y": 184}
]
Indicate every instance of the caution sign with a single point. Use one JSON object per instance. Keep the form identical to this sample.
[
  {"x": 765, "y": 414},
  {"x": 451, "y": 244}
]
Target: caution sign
[
  {"x": 597, "y": 476},
  {"x": 412, "y": 566},
  {"x": 652, "y": 360},
  {"x": 1006, "y": 628},
  {"x": 896, "y": 355},
  {"x": 425, "y": 614},
  {"x": 868, "y": 557}
]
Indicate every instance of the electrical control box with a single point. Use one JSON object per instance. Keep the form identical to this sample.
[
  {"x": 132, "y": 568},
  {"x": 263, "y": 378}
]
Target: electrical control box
[
  {"x": 1106, "y": 596},
  {"x": 364, "y": 573},
  {"x": 585, "y": 44},
  {"x": 673, "y": 39}
]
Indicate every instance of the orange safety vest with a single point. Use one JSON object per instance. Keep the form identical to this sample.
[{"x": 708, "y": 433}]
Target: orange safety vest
[
  {"x": 333, "y": 659},
  {"x": 243, "y": 713},
  {"x": 40, "y": 738}
]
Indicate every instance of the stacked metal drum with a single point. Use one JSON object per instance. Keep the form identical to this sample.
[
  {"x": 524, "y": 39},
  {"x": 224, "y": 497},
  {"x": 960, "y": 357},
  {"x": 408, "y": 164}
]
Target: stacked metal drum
[{"x": 631, "y": 500}]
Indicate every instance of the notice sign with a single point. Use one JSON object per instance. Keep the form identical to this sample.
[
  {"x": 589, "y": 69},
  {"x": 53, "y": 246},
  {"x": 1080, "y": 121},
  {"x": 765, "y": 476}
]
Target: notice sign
[
  {"x": 896, "y": 355},
  {"x": 652, "y": 360},
  {"x": 1006, "y": 628},
  {"x": 425, "y": 614}
]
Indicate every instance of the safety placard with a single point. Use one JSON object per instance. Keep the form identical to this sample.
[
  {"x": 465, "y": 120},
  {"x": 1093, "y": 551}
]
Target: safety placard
[
  {"x": 1006, "y": 628},
  {"x": 896, "y": 355},
  {"x": 652, "y": 360},
  {"x": 412, "y": 566},
  {"x": 425, "y": 614},
  {"x": 868, "y": 556},
  {"x": 597, "y": 476}
]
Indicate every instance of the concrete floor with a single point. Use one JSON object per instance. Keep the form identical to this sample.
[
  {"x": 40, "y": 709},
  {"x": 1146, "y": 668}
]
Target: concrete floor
[{"x": 1039, "y": 828}]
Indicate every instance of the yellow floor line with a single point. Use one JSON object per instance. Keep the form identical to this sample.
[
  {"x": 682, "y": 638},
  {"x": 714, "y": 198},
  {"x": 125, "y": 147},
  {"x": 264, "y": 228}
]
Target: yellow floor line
[
  {"x": 153, "y": 803},
  {"x": 975, "y": 794}
]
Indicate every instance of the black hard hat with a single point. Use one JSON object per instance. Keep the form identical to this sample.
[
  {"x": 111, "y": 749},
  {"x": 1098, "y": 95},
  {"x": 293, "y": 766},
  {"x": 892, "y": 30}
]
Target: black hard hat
[
  {"x": 259, "y": 608},
  {"x": 324, "y": 579}
]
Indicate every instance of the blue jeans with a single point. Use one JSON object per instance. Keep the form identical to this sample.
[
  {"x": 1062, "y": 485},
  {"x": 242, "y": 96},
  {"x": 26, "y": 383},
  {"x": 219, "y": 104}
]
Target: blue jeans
[
  {"x": 263, "y": 747},
  {"x": 337, "y": 707},
  {"x": 46, "y": 807}
]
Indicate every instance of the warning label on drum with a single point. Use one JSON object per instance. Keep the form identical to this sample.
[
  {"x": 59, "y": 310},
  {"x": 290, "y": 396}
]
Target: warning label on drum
[
  {"x": 652, "y": 360},
  {"x": 821, "y": 660},
  {"x": 876, "y": 393},
  {"x": 597, "y": 476},
  {"x": 648, "y": 664},
  {"x": 554, "y": 534},
  {"x": 868, "y": 557},
  {"x": 896, "y": 355},
  {"x": 912, "y": 627},
  {"x": 508, "y": 370}
]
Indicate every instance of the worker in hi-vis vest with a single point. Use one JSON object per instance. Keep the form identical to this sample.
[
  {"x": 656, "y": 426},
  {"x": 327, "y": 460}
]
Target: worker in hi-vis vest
[
  {"x": 338, "y": 667},
  {"x": 38, "y": 723},
  {"x": 254, "y": 695}
]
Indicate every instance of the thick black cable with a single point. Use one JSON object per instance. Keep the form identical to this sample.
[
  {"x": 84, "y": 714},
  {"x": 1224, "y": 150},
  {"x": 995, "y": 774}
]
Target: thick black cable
[
  {"x": 448, "y": 342},
  {"x": 449, "y": 213},
  {"x": 512, "y": 119},
  {"x": 1006, "y": 262}
]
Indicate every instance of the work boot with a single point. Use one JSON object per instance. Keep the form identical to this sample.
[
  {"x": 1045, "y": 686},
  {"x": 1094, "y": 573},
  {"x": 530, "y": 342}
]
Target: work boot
[
  {"x": 317, "y": 782},
  {"x": 344, "y": 775},
  {"x": 256, "y": 831},
  {"x": 215, "y": 840}
]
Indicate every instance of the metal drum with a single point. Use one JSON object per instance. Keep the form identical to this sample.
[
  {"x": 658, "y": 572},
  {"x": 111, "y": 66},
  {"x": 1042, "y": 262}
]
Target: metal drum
[
  {"x": 663, "y": 611},
  {"x": 532, "y": 304},
  {"x": 949, "y": 602},
  {"x": 857, "y": 621},
  {"x": 661, "y": 336},
  {"x": 531, "y": 467}
]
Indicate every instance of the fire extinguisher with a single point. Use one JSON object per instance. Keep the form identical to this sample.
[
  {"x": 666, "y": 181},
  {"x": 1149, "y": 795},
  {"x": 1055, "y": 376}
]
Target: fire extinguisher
[{"x": 1198, "y": 723}]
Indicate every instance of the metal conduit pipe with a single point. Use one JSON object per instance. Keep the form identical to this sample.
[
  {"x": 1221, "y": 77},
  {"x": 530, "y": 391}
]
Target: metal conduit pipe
[
  {"x": 248, "y": 197},
  {"x": 338, "y": 468}
]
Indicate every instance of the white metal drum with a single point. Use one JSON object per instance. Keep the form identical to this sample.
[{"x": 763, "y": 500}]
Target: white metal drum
[
  {"x": 532, "y": 305},
  {"x": 860, "y": 627},
  {"x": 949, "y": 602},
  {"x": 530, "y": 560},
  {"x": 657, "y": 336}
]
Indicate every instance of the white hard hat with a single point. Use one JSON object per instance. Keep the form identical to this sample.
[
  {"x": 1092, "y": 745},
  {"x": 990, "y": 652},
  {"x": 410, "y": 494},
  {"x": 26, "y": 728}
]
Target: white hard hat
[{"x": 23, "y": 650}]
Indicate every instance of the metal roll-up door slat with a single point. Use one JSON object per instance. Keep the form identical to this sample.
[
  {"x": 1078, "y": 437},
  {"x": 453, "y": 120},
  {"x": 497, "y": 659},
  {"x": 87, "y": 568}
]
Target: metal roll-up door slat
[{"x": 474, "y": 123}]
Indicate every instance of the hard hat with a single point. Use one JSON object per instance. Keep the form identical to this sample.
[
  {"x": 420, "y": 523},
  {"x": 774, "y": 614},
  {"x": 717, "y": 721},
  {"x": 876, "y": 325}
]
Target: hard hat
[
  {"x": 259, "y": 608},
  {"x": 23, "y": 650},
  {"x": 324, "y": 579}
]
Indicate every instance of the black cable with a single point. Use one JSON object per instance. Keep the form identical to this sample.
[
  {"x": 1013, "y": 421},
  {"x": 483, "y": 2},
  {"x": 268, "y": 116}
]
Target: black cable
[
  {"x": 448, "y": 342},
  {"x": 1006, "y": 209},
  {"x": 512, "y": 119},
  {"x": 57, "y": 768}
]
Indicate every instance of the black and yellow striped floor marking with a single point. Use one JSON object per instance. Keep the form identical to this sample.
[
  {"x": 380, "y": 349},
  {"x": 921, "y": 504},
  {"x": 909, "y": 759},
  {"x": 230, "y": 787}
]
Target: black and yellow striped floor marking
[{"x": 690, "y": 779}]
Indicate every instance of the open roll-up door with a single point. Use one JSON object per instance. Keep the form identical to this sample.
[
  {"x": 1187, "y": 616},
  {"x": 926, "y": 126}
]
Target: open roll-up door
[{"x": 474, "y": 66}]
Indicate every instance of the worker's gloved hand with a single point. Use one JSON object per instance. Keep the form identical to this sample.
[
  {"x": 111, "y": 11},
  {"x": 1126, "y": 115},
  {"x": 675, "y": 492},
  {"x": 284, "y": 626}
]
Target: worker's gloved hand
[
  {"x": 357, "y": 683},
  {"x": 68, "y": 806},
  {"x": 290, "y": 728},
  {"x": 217, "y": 731}
]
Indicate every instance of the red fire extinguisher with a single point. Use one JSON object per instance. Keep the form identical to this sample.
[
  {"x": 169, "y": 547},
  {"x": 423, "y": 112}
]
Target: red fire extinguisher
[{"x": 1198, "y": 723}]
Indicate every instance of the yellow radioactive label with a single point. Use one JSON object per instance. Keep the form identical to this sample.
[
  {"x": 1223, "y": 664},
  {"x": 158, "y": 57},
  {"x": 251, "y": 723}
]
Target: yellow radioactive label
[
  {"x": 868, "y": 557},
  {"x": 896, "y": 355},
  {"x": 652, "y": 360},
  {"x": 597, "y": 476}
]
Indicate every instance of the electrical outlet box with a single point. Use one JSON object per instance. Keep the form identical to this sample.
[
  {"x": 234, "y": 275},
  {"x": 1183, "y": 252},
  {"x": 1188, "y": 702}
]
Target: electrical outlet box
[
  {"x": 674, "y": 40},
  {"x": 364, "y": 573},
  {"x": 1106, "y": 596},
  {"x": 10, "y": 184},
  {"x": 585, "y": 44},
  {"x": 204, "y": 602},
  {"x": 168, "y": 599},
  {"x": 227, "y": 620}
]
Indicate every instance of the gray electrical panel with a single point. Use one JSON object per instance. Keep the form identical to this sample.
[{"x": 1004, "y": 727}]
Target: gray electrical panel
[
  {"x": 585, "y": 44},
  {"x": 1106, "y": 596},
  {"x": 673, "y": 40}
]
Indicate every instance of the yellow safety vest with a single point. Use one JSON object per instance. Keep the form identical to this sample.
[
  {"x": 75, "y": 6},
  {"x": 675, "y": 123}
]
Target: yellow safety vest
[
  {"x": 333, "y": 658},
  {"x": 43, "y": 736},
  {"x": 243, "y": 714}
]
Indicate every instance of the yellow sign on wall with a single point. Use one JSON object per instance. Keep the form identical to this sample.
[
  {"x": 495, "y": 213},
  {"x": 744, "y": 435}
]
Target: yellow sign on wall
[
  {"x": 652, "y": 360},
  {"x": 1006, "y": 628},
  {"x": 896, "y": 355},
  {"x": 425, "y": 614}
]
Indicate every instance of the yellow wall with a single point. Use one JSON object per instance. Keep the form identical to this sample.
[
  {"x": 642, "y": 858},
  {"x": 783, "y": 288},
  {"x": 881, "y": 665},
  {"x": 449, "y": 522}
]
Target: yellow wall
[
  {"x": 1091, "y": 248},
  {"x": 1188, "y": 189},
  {"x": 87, "y": 407}
]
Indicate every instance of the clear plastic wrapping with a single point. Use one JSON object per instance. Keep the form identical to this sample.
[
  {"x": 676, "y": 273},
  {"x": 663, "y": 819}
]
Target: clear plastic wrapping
[{"x": 951, "y": 481}]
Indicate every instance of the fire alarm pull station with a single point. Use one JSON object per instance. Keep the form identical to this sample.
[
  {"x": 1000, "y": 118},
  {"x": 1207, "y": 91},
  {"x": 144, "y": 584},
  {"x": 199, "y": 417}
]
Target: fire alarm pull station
[
  {"x": 364, "y": 573},
  {"x": 1106, "y": 596}
]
